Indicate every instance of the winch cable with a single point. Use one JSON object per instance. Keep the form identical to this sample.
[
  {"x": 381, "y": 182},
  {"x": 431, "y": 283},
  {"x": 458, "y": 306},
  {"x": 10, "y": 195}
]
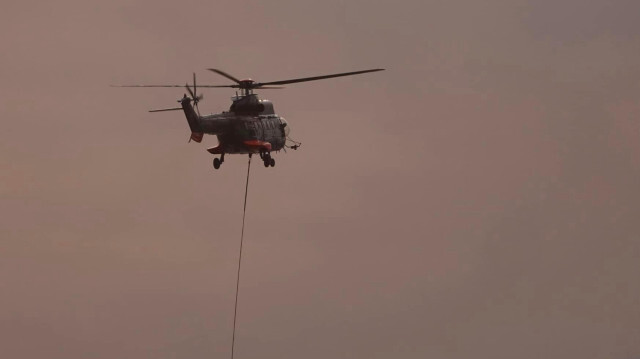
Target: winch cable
[{"x": 244, "y": 212}]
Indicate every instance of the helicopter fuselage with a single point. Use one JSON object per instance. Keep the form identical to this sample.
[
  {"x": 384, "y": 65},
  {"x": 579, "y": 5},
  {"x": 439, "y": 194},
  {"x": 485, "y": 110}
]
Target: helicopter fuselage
[{"x": 250, "y": 126}]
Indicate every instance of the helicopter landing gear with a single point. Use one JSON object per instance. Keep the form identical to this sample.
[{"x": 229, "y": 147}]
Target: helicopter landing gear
[
  {"x": 218, "y": 161},
  {"x": 267, "y": 159},
  {"x": 269, "y": 162}
]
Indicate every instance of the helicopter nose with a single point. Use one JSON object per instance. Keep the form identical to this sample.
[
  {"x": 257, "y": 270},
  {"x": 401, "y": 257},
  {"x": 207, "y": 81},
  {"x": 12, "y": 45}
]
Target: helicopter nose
[{"x": 285, "y": 126}]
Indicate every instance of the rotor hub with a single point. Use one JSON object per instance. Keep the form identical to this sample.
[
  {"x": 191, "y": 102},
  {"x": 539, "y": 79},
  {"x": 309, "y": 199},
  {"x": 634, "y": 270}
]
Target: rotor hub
[{"x": 246, "y": 83}]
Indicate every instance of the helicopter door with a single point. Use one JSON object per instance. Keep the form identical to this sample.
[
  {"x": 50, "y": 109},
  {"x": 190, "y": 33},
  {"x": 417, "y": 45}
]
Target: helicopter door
[{"x": 250, "y": 130}]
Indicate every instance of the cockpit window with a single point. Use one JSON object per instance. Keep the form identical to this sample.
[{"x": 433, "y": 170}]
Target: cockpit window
[{"x": 285, "y": 126}]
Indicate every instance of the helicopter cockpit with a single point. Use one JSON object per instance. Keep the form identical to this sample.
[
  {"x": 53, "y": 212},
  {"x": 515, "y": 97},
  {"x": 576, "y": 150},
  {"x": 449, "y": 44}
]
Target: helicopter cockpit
[{"x": 285, "y": 126}]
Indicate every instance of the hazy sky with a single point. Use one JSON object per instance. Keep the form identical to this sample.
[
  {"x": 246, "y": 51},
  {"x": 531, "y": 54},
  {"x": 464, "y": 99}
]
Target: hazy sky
[{"x": 479, "y": 199}]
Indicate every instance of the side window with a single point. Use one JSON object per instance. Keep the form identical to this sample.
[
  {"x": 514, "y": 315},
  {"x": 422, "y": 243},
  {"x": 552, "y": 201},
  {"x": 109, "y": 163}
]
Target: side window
[{"x": 251, "y": 129}]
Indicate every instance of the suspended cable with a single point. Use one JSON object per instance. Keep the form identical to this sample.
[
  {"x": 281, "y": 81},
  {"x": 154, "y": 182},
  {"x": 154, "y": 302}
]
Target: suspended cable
[{"x": 244, "y": 212}]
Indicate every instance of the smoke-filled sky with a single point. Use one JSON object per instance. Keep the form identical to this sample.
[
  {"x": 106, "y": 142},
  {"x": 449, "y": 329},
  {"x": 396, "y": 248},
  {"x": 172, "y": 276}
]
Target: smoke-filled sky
[{"x": 478, "y": 199}]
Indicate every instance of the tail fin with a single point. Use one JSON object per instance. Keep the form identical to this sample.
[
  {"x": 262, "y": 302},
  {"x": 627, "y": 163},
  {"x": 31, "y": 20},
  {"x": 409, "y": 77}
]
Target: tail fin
[{"x": 192, "y": 118}]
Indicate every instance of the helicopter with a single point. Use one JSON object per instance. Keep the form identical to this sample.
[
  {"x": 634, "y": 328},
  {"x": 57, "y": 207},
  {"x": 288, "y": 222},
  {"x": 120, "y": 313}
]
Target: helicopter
[{"x": 251, "y": 124}]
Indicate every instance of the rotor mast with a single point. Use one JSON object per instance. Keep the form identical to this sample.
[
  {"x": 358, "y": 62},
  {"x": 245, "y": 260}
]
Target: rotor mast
[{"x": 246, "y": 87}]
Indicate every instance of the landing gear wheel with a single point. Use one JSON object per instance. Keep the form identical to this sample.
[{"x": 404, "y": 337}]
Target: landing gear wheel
[
  {"x": 272, "y": 162},
  {"x": 267, "y": 162},
  {"x": 216, "y": 163}
]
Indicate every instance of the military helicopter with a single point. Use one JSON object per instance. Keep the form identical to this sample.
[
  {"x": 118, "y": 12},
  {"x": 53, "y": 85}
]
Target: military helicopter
[{"x": 251, "y": 124}]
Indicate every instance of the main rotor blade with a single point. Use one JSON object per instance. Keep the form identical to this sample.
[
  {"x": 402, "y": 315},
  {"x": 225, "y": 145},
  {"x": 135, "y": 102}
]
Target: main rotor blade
[
  {"x": 222, "y": 73},
  {"x": 207, "y": 86},
  {"x": 146, "y": 85},
  {"x": 167, "y": 109},
  {"x": 304, "y": 79}
]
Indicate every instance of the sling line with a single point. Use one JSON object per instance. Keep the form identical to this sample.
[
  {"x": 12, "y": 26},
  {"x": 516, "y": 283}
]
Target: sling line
[{"x": 244, "y": 212}]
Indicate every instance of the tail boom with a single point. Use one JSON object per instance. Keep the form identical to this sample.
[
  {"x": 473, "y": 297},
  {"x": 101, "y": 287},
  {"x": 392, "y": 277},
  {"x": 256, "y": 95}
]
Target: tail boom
[{"x": 192, "y": 119}]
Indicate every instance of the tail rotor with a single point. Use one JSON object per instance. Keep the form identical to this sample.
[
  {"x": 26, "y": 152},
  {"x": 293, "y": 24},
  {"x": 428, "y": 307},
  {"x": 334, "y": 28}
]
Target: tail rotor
[{"x": 193, "y": 94}]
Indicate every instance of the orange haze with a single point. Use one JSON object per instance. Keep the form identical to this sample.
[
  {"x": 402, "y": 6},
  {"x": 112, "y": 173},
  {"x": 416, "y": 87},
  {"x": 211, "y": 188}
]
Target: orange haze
[{"x": 479, "y": 199}]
